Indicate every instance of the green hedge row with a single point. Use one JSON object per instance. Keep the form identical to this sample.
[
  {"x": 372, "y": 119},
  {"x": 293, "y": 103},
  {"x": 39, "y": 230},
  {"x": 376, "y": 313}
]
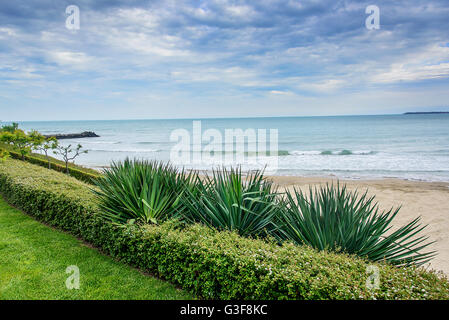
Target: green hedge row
[
  {"x": 211, "y": 264},
  {"x": 74, "y": 172}
]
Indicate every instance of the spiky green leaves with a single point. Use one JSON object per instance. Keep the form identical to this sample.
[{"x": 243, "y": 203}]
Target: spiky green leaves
[
  {"x": 229, "y": 201},
  {"x": 332, "y": 218},
  {"x": 144, "y": 191}
]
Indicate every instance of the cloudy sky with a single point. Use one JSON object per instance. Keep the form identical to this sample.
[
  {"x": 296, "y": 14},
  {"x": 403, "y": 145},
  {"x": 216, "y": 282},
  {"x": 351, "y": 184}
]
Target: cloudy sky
[{"x": 221, "y": 58}]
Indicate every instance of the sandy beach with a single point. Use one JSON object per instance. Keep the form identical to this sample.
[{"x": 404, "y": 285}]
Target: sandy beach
[{"x": 430, "y": 200}]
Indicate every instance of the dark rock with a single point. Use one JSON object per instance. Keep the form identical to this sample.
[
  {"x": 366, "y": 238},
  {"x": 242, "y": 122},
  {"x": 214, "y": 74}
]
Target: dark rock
[{"x": 85, "y": 134}]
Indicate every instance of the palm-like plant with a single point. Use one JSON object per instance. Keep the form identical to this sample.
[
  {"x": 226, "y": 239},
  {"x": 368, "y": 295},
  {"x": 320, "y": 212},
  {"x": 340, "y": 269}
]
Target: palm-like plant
[
  {"x": 230, "y": 201},
  {"x": 334, "y": 219},
  {"x": 143, "y": 191}
]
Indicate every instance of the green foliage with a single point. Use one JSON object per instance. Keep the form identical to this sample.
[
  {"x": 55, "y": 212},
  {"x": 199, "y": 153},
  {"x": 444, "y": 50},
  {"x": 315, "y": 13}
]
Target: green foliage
[
  {"x": 332, "y": 218},
  {"x": 16, "y": 141},
  {"x": 144, "y": 191},
  {"x": 7, "y": 137},
  {"x": 19, "y": 140},
  {"x": 229, "y": 201},
  {"x": 36, "y": 138},
  {"x": 10, "y": 128},
  {"x": 44, "y": 145},
  {"x": 212, "y": 264},
  {"x": 4, "y": 155},
  {"x": 77, "y": 172}
]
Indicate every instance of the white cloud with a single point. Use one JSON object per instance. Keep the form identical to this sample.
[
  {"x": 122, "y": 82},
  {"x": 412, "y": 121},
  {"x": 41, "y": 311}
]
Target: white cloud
[
  {"x": 76, "y": 59},
  {"x": 401, "y": 72},
  {"x": 430, "y": 63},
  {"x": 325, "y": 86},
  {"x": 280, "y": 93},
  {"x": 7, "y": 33}
]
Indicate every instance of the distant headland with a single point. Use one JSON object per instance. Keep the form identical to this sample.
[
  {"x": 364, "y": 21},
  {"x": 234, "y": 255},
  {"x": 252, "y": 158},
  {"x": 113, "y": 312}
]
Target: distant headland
[{"x": 429, "y": 112}]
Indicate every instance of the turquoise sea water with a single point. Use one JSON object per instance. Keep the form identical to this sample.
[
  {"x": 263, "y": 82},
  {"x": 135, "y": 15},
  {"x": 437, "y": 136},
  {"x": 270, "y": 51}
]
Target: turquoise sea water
[{"x": 402, "y": 146}]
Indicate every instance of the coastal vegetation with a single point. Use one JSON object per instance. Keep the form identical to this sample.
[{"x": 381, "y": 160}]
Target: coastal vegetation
[
  {"x": 143, "y": 191},
  {"x": 335, "y": 219},
  {"x": 329, "y": 218},
  {"x": 229, "y": 235},
  {"x": 68, "y": 153},
  {"x": 227, "y": 200},
  {"x": 210, "y": 263},
  {"x": 17, "y": 144},
  {"x": 45, "y": 145}
]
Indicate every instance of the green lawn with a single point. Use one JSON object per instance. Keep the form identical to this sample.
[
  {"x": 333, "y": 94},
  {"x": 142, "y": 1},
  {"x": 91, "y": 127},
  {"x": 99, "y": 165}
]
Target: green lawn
[{"x": 34, "y": 258}]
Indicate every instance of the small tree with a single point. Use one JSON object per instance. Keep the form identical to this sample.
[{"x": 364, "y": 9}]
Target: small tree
[
  {"x": 66, "y": 153},
  {"x": 10, "y": 128},
  {"x": 19, "y": 140},
  {"x": 41, "y": 143}
]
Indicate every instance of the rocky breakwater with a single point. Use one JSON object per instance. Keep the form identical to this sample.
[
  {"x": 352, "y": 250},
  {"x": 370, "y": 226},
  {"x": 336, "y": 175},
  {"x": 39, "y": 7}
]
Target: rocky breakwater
[{"x": 85, "y": 134}]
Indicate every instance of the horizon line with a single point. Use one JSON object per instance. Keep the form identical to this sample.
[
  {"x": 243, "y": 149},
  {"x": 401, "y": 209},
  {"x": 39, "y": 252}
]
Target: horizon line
[{"x": 215, "y": 118}]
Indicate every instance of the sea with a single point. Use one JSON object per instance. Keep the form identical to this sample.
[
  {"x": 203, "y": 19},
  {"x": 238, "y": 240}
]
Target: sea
[{"x": 412, "y": 147}]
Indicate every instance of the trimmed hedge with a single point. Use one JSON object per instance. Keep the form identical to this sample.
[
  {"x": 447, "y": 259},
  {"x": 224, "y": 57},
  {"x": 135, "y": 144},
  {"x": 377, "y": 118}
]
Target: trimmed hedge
[
  {"x": 74, "y": 172},
  {"x": 211, "y": 264}
]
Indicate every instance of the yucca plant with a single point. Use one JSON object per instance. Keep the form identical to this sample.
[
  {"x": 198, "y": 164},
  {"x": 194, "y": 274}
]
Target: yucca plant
[
  {"x": 143, "y": 191},
  {"x": 332, "y": 218},
  {"x": 230, "y": 201}
]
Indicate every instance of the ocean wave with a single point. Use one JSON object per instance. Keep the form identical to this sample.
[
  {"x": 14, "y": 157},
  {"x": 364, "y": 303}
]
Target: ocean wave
[
  {"x": 304, "y": 153},
  {"x": 101, "y": 142},
  {"x": 126, "y": 150},
  {"x": 246, "y": 153},
  {"x": 268, "y": 153},
  {"x": 282, "y": 153},
  {"x": 343, "y": 152}
]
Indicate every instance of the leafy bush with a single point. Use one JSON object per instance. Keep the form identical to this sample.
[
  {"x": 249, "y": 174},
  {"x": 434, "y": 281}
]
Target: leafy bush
[
  {"x": 75, "y": 171},
  {"x": 212, "y": 264},
  {"x": 332, "y": 218},
  {"x": 4, "y": 155},
  {"x": 19, "y": 143},
  {"x": 229, "y": 201},
  {"x": 144, "y": 191},
  {"x": 10, "y": 128},
  {"x": 18, "y": 139}
]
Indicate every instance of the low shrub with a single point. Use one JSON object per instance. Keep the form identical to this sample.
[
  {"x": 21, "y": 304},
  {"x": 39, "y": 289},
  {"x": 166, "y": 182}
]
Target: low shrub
[
  {"x": 74, "y": 171},
  {"x": 212, "y": 264}
]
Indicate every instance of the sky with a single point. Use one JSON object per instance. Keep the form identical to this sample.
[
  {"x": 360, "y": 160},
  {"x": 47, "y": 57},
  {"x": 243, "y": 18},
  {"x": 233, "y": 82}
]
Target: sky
[{"x": 221, "y": 58}]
